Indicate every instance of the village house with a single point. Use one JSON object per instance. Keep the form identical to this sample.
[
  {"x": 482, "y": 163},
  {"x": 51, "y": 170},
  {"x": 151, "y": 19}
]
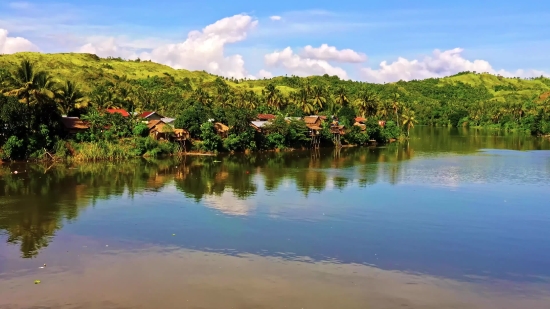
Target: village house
[
  {"x": 221, "y": 129},
  {"x": 313, "y": 123},
  {"x": 360, "y": 122},
  {"x": 148, "y": 116},
  {"x": 74, "y": 125},
  {"x": 123, "y": 112},
  {"x": 258, "y": 125},
  {"x": 266, "y": 117}
]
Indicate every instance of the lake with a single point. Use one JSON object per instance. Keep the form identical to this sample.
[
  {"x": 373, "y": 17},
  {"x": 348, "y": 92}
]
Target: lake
[{"x": 454, "y": 218}]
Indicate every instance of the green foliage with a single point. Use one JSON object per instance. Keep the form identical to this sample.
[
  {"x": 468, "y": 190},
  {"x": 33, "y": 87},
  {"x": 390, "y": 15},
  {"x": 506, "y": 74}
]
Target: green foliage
[
  {"x": 14, "y": 148},
  {"x": 210, "y": 140},
  {"x": 38, "y": 87},
  {"x": 192, "y": 118},
  {"x": 141, "y": 130},
  {"x": 355, "y": 136}
]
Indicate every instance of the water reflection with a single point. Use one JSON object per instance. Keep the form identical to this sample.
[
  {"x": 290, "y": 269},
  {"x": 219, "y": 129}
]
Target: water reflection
[{"x": 413, "y": 203}]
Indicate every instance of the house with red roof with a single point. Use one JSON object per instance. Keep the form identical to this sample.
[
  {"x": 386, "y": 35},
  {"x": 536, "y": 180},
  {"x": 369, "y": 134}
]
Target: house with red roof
[
  {"x": 123, "y": 112},
  {"x": 266, "y": 117}
]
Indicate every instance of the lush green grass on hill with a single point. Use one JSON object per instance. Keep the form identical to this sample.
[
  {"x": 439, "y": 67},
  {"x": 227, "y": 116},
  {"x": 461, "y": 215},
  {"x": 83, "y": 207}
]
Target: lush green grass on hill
[{"x": 83, "y": 83}]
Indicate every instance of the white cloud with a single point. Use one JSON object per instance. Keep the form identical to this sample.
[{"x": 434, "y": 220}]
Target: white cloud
[
  {"x": 202, "y": 50},
  {"x": 440, "y": 64},
  {"x": 108, "y": 47},
  {"x": 301, "y": 66},
  {"x": 331, "y": 53},
  {"x": 229, "y": 204},
  {"x": 264, "y": 73},
  {"x": 275, "y": 17},
  {"x": 10, "y": 45},
  {"x": 20, "y": 5}
]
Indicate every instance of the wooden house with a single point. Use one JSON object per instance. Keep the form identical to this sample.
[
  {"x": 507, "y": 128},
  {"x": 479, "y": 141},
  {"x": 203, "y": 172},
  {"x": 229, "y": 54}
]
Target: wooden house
[
  {"x": 159, "y": 130},
  {"x": 266, "y": 117},
  {"x": 74, "y": 125},
  {"x": 258, "y": 125},
  {"x": 221, "y": 129},
  {"x": 360, "y": 122},
  {"x": 123, "y": 112}
]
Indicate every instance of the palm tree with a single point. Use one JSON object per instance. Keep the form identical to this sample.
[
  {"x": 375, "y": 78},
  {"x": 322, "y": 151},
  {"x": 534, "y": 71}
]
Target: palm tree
[
  {"x": 408, "y": 119},
  {"x": 202, "y": 96},
  {"x": 45, "y": 88},
  {"x": 270, "y": 92},
  {"x": 341, "y": 96},
  {"x": 383, "y": 110},
  {"x": 318, "y": 97},
  {"x": 68, "y": 96},
  {"x": 301, "y": 99},
  {"x": 395, "y": 105},
  {"x": 24, "y": 81},
  {"x": 367, "y": 103}
]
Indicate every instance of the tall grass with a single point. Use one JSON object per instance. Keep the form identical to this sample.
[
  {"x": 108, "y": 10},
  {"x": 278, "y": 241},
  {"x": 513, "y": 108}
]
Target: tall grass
[{"x": 120, "y": 150}]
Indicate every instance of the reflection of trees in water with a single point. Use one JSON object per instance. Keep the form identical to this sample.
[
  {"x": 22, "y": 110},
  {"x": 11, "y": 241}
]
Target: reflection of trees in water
[{"x": 35, "y": 202}]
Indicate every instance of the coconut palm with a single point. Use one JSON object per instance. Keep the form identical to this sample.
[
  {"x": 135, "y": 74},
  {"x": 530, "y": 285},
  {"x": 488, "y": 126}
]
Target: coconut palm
[
  {"x": 301, "y": 99},
  {"x": 367, "y": 103},
  {"x": 408, "y": 119},
  {"x": 68, "y": 95},
  {"x": 395, "y": 105},
  {"x": 319, "y": 99},
  {"x": 342, "y": 96},
  {"x": 24, "y": 81}
]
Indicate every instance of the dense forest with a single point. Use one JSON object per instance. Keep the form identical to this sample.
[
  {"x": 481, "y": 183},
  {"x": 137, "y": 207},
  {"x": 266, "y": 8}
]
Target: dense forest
[{"x": 38, "y": 88}]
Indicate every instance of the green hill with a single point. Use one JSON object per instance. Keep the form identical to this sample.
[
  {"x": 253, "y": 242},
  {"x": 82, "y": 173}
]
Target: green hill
[{"x": 435, "y": 100}]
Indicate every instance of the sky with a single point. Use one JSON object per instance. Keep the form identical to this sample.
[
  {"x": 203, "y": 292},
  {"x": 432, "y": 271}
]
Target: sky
[{"x": 375, "y": 41}]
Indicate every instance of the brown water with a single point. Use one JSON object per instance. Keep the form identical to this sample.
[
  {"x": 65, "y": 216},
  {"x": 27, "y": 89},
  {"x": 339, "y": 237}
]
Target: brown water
[{"x": 453, "y": 219}]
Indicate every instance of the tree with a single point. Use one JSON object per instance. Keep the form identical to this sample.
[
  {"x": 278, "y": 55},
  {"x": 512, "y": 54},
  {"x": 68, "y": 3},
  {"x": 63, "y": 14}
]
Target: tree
[
  {"x": 342, "y": 96},
  {"x": 68, "y": 96},
  {"x": 395, "y": 105},
  {"x": 301, "y": 99},
  {"x": 367, "y": 103},
  {"x": 408, "y": 119},
  {"x": 319, "y": 99},
  {"x": 29, "y": 85}
]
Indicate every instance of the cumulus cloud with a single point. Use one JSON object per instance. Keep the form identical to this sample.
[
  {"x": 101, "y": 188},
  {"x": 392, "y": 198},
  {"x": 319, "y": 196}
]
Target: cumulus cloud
[
  {"x": 264, "y": 73},
  {"x": 275, "y": 17},
  {"x": 331, "y": 53},
  {"x": 202, "y": 50},
  {"x": 302, "y": 66},
  {"x": 440, "y": 64},
  {"x": 108, "y": 47},
  {"x": 10, "y": 45}
]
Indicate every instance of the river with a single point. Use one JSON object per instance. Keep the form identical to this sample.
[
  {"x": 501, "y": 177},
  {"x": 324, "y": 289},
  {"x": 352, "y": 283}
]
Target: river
[{"x": 454, "y": 218}]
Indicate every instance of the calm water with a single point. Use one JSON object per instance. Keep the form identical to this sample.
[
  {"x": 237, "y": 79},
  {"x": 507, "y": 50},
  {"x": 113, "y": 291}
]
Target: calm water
[{"x": 452, "y": 219}]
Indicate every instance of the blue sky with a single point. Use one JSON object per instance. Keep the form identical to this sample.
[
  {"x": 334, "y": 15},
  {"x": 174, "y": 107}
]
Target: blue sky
[{"x": 509, "y": 35}]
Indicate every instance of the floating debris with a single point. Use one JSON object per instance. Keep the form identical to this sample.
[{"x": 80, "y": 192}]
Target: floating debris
[
  {"x": 36, "y": 281},
  {"x": 44, "y": 266},
  {"x": 173, "y": 234}
]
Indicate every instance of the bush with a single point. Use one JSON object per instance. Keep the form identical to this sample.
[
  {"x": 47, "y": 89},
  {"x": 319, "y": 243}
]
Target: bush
[
  {"x": 210, "y": 140},
  {"x": 141, "y": 130},
  {"x": 14, "y": 148},
  {"x": 355, "y": 136}
]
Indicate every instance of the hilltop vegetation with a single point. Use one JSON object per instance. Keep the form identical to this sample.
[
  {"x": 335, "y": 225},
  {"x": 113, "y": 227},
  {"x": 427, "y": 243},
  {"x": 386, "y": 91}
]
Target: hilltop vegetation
[{"x": 82, "y": 84}]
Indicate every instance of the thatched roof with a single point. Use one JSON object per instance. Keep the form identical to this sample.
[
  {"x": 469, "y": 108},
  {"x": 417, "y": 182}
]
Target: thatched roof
[
  {"x": 220, "y": 127},
  {"x": 74, "y": 123},
  {"x": 313, "y": 127},
  {"x": 266, "y": 116},
  {"x": 153, "y": 123},
  {"x": 311, "y": 119}
]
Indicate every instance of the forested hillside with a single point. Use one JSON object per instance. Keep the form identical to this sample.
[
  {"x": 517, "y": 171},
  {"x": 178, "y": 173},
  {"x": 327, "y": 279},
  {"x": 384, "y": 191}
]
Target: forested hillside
[{"x": 79, "y": 83}]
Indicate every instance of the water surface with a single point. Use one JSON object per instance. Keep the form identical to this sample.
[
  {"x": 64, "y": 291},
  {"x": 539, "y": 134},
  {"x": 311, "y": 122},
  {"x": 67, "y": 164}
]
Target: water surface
[{"x": 451, "y": 219}]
